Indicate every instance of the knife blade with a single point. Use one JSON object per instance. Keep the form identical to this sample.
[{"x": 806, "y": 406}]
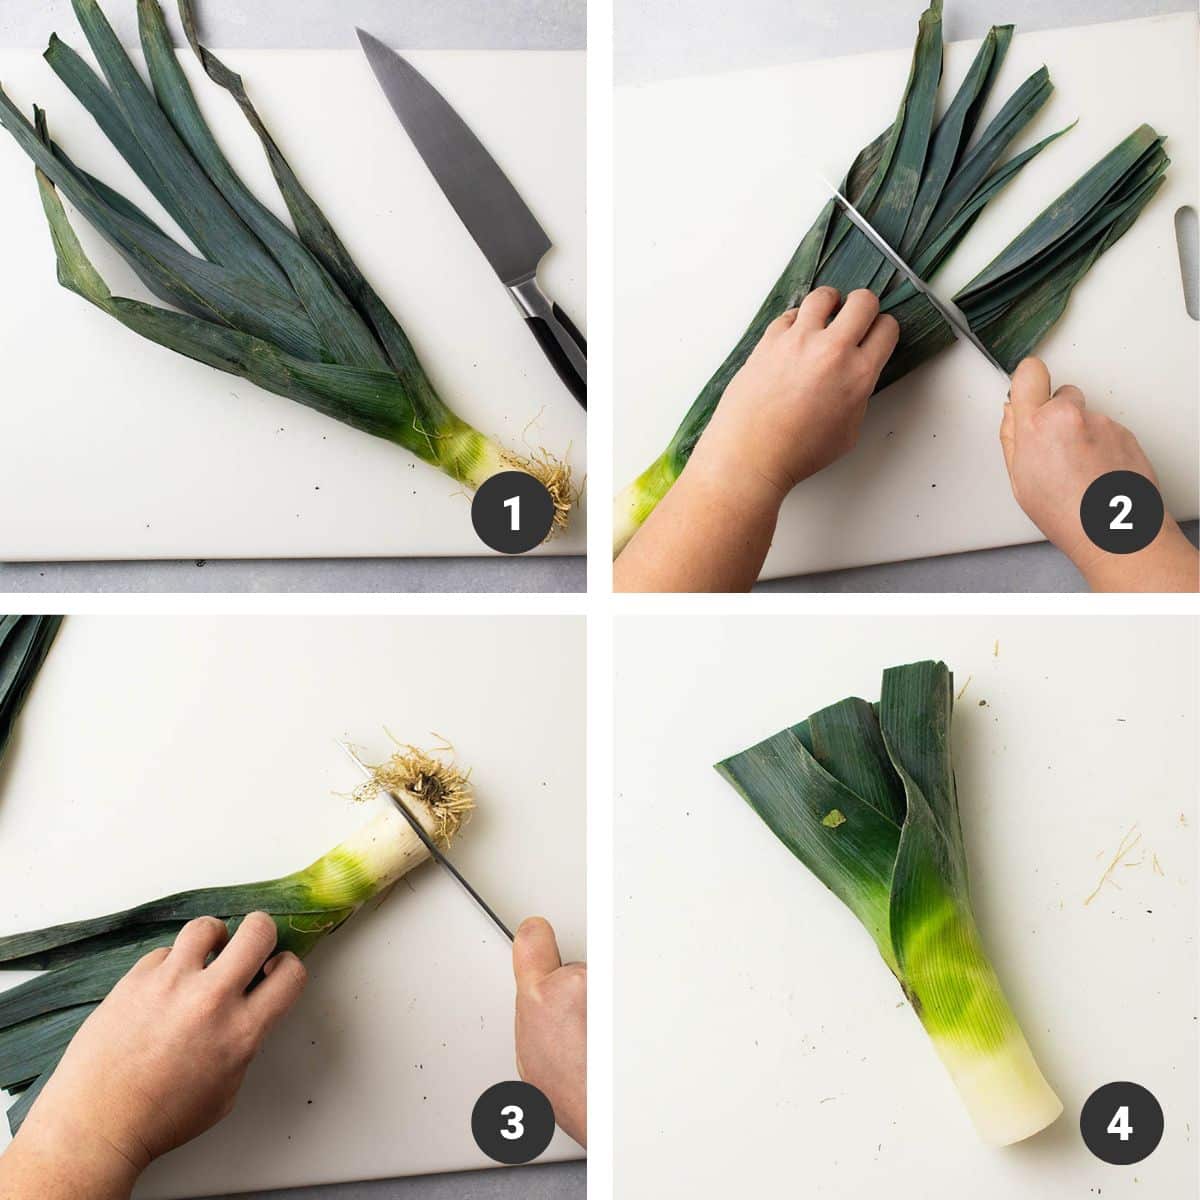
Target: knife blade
[
  {"x": 946, "y": 309},
  {"x": 487, "y": 204},
  {"x": 429, "y": 843}
]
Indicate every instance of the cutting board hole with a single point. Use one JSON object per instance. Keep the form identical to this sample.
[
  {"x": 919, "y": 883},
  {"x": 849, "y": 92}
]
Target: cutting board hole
[{"x": 1187, "y": 241}]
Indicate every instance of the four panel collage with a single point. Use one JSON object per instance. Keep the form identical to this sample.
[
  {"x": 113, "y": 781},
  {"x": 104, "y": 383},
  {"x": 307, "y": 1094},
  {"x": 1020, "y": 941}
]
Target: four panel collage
[{"x": 387, "y": 815}]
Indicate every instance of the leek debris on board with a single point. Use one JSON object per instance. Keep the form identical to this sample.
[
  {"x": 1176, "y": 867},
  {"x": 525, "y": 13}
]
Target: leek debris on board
[
  {"x": 864, "y": 795},
  {"x": 923, "y": 183},
  {"x": 288, "y": 310},
  {"x": 83, "y": 960},
  {"x": 24, "y": 644}
]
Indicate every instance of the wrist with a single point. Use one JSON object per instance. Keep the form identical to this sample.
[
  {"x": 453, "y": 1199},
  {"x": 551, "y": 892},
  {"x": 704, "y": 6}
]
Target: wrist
[
  {"x": 740, "y": 488},
  {"x": 1169, "y": 564},
  {"x": 69, "y": 1159}
]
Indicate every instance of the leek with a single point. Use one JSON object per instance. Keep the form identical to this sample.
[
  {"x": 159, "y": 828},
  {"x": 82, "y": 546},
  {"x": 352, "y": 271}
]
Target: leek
[
  {"x": 82, "y": 960},
  {"x": 922, "y": 184},
  {"x": 287, "y": 310},
  {"x": 864, "y": 795},
  {"x": 24, "y": 644}
]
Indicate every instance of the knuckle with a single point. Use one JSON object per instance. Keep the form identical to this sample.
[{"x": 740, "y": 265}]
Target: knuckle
[
  {"x": 1064, "y": 415},
  {"x": 244, "y": 1038},
  {"x": 206, "y": 1004}
]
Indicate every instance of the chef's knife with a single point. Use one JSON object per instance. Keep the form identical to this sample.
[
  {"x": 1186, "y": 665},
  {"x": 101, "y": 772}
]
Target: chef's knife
[
  {"x": 429, "y": 843},
  {"x": 947, "y": 310},
  {"x": 487, "y": 204}
]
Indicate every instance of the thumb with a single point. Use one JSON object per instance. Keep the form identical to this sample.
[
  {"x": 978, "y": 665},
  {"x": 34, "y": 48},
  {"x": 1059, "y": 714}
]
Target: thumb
[
  {"x": 535, "y": 952},
  {"x": 1008, "y": 437},
  {"x": 1030, "y": 388}
]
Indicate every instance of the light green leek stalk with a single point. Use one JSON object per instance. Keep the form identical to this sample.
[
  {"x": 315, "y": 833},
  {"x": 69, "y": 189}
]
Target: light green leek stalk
[
  {"x": 864, "y": 795},
  {"x": 923, "y": 183},
  {"x": 288, "y": 310},
  {"x": 82, "y": 960}
]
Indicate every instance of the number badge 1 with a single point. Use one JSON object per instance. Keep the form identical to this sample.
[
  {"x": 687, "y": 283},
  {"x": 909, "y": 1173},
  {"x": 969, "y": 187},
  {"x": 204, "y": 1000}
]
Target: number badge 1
[{"x": 512, "y": 512}]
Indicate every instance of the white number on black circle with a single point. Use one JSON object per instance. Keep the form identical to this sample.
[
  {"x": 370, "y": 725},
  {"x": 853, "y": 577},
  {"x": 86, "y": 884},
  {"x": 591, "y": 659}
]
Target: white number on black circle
[
  {"x": 514, "y": 503},
  {"x": 1120, "y": 1123},
  {"x": 1121, "y": 520},
  {"x": 516, "y": 1118}
]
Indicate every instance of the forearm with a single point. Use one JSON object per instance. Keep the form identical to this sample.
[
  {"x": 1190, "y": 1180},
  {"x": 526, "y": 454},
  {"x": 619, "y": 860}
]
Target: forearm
[
  {"x": 710, "y": 533},
  {"x": 1169, "y": 564},
  {"x": 42, "y": 1164}
]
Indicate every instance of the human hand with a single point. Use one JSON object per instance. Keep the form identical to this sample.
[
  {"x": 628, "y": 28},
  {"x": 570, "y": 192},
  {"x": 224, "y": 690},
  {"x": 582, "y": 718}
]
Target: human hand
[
  {"x": 159, "y": 1061},
  {"x": 551, "y": 1024},
  {"x": 1055, "y": 448},
  {"x": 798, "y": 401}
]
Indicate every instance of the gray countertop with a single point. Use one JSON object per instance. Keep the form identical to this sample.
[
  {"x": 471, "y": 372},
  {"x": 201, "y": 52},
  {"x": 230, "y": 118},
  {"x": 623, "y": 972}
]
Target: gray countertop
[
  {"x": 663, "y": 39},
  {"x": 416, "y": 24},
  {"x": 550, "y": 1181}
]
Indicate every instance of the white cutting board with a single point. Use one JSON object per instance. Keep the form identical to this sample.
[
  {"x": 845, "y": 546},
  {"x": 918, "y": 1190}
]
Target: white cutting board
[
  {"x": 754, "y": 1017},
  {"x": 160, "y": 753},
  {"x": 716, "y": 186},
  {"x": 126, "y": 450}
]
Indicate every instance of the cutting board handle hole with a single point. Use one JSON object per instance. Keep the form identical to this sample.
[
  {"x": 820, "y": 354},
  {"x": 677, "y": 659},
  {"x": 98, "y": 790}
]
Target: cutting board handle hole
[{"x": 1187, "y": 242}]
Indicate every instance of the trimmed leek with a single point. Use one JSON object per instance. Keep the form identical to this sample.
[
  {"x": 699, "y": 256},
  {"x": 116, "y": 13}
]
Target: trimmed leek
[
  {"x": 24, "y": 644},
  {"x": 82, "y": 960},
  {"x": 288, "y": 311},
  {"x": 923, "y": 184},
  {"x": 864, "y": 795}
]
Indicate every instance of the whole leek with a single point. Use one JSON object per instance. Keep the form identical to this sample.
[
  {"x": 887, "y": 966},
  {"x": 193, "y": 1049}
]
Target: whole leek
[
  {"x": 864, "y": 795},
  {"x": 923, "y": 183},
  {"x": 82, "y": 960},
  {"x": 287, "y": 310}
]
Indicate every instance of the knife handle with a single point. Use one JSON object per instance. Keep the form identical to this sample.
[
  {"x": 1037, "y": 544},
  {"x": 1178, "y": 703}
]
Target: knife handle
[{"x": 560, "y": 340}]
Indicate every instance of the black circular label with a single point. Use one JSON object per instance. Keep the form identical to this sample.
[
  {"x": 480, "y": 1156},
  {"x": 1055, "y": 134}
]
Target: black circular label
[
  {"x": 512, "y": 1122},
  {"x": 1121, "y": 512},
  {"x": 512, "y": 512},
  {"x": 1122, "y": 1123}
]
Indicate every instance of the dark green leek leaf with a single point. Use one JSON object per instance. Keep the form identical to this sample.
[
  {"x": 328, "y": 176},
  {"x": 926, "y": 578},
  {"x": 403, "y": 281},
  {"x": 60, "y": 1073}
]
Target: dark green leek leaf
[
  {"x": 207, "y": 217},
  {"x": 349, "y": 340},
  {"x": 24, "y": 644},
  {"x": 319, "y": 236},
  {"x": 35, "y": 1046}
]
